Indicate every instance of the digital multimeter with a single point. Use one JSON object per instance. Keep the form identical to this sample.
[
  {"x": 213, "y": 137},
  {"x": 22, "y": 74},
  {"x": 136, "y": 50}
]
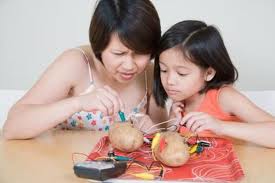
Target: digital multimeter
[{"x": 100, "y": 170}]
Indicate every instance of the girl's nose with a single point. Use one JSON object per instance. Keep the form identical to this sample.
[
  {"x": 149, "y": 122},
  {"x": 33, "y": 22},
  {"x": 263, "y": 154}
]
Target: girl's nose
[{"x": 171, "y": 79}]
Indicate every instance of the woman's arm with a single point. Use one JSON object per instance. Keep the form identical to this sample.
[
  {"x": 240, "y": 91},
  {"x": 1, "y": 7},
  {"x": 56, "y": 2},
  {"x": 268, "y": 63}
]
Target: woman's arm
[
  {"x": 258, "y": 126},
  {"x": 29, "y": 120},
  {"x": 46, "y": 103}
]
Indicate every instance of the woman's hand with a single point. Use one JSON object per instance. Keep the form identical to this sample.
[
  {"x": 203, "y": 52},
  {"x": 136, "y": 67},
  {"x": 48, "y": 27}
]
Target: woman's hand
[
  {"x": 104, "y": 99},
  {"x": 199, "y": 121}
]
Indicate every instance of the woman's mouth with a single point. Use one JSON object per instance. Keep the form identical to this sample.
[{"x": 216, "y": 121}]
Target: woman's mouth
[{"x": 127, "y": 76}]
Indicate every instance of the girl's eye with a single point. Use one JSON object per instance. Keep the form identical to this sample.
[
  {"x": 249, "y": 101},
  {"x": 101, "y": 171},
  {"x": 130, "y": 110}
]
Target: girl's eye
[
  {"x": 162, "y": 70},
  {"x": 180, "y": 74}
]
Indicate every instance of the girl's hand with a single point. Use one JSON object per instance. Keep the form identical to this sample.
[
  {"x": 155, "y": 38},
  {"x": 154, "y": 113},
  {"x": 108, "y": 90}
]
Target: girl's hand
[
  {"x": 176, "y": 110},
  {"x": 199, "y": 121},
  {"x": 104, "y": 99}
]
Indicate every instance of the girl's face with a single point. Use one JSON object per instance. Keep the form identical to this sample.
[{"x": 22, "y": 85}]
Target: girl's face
[
  {"x": 180, "y": 78},
  {"x": 122, "y": 63}
]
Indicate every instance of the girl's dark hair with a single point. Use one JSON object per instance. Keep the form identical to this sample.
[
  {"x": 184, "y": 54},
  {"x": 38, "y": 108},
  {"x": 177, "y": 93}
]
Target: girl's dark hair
[
  {"x": 136, "y": 22},
  {"x": 200, "y": 44}
]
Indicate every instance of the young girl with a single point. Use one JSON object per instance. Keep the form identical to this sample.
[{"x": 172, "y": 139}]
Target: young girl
[
  {"x": 86, "y": 87},
  {"x": 193, "y": 68}
]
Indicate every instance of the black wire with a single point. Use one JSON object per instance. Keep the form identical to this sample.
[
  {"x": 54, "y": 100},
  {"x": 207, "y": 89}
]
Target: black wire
[
  {"x": 138, "y": 162},
  {"x": 161, "y": 170}
]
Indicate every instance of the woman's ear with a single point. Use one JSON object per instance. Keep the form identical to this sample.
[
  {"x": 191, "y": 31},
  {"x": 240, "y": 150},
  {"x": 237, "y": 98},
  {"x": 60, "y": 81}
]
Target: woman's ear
[{"x": 209, "y": 74}]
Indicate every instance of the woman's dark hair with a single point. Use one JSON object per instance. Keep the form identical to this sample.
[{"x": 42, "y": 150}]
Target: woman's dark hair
[
  {"x": 136, "y": 22},
  {"x": 200, "y": 44}
]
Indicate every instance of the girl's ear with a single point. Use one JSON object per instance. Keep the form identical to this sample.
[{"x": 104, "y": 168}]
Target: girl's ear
[{"x": 209, "y": 74}]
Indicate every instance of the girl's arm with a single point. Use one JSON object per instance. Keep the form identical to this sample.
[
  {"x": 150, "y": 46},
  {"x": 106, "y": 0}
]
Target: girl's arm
[{"x": 258, "y": 126}]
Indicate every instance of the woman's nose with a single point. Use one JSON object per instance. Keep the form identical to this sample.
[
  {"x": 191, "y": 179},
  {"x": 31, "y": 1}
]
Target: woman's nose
[{"x": 129, "y": 63}]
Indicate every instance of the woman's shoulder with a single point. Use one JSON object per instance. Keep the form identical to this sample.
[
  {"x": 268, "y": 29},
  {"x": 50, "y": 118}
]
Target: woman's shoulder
[
  {"x": 75, "y": 58},
  {"x": 71, "y": 64},
  {"x": 60, "y": 77}
]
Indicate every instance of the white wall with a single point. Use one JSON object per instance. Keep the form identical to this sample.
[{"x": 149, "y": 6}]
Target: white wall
[{"x": 33, "y": 33}]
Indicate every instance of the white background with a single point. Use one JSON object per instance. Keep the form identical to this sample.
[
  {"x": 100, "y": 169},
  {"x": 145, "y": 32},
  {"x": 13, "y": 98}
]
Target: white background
[{"x": 34, "y": 32}]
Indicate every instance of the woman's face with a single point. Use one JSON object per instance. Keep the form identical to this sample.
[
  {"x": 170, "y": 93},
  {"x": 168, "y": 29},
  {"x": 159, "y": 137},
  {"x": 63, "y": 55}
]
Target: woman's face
[{"x": 122, "y": 63}]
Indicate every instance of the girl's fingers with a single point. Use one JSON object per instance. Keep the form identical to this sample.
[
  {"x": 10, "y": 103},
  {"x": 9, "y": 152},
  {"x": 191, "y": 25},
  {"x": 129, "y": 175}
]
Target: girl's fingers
[
  {"x": 196, "y": 125},
  {"x": 178, "y": 111},
  {"x": 190, "y": 122},
  {"x": 194, "y": 120},
  {"x": 178, "y": 104},
  {"x": 188, "y": 116},
  {"x": 201, "y": 128}
]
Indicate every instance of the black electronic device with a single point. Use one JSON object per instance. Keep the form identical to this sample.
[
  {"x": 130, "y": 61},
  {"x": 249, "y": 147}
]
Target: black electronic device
[{"x": 100, "y": 170}]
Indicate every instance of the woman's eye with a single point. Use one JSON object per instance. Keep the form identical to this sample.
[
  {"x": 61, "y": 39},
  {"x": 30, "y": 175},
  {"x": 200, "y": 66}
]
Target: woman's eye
[{"x": 118, "y": 53}]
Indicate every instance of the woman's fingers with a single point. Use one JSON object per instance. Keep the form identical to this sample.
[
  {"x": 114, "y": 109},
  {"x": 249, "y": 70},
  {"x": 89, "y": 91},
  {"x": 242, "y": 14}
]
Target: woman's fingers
[
  {"x": 115, "y": 107},
  {"x": 110, "y": 99},
  {"x": 120, "y": 104},
  {"x": 102, "y": 107},
  {"x": 106, "y": 103}
]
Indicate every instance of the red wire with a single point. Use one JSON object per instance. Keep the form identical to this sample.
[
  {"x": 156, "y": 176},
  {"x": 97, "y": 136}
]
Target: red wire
[{"x": 77, "y": 153}]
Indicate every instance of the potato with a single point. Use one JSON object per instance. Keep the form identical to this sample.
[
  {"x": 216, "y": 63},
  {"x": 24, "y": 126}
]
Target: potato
[
  {"x": 125, "y": 137},
  {"x": 171, "y": 149}
]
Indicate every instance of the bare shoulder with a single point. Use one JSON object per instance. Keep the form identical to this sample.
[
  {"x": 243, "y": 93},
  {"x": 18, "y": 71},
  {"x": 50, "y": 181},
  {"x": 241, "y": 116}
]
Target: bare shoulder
[
  {"x": 229, "y": 97},
  {"x": 73, "y": 58},
  {"x": 58, "y": 79},
  {"x": 69, "y": 66},
  {"x": 234, "y": 102},
  {"x": 229, "y": 92}
]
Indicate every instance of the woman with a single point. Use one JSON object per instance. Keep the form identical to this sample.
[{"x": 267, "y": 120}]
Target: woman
[{"x": 86, "y": 87}]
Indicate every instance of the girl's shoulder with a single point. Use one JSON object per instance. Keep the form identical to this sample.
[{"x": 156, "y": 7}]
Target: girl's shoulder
[
  {"x": 229, "y": 98},
  {"x": 236, "y": 103}
]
